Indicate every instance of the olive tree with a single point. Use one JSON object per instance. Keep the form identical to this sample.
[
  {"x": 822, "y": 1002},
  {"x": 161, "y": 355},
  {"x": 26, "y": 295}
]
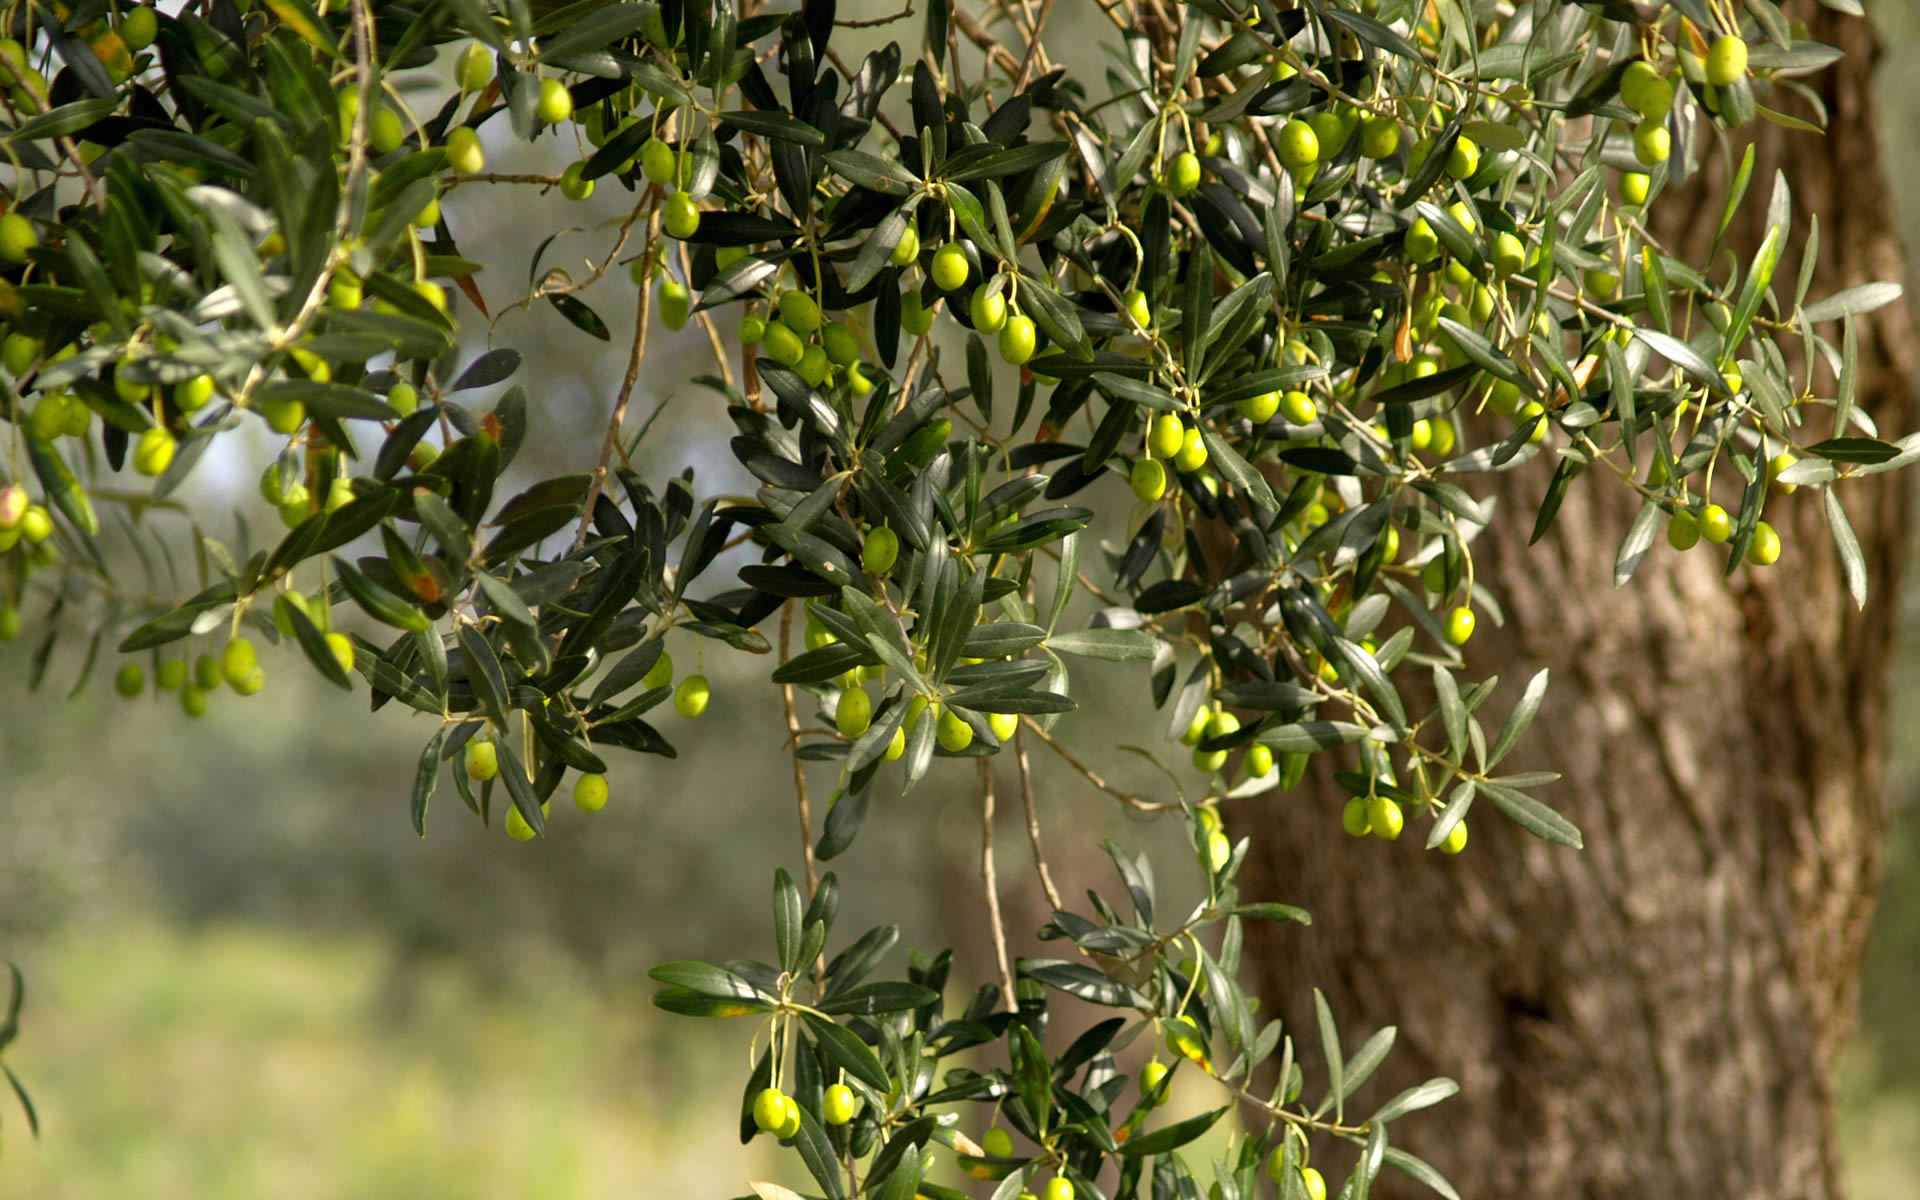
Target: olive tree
[{"x": 1216, "y": 364}]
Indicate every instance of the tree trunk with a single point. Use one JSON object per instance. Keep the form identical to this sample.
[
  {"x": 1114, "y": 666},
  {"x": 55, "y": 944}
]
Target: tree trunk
[{"x": 1660, "y": 1013}]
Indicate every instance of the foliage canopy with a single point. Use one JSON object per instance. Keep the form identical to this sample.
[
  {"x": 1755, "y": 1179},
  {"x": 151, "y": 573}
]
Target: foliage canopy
[{"x": 1270, "y": 294}]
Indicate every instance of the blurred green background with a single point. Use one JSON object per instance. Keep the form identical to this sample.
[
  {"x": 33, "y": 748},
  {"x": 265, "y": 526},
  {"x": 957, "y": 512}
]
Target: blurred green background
[{"x": 247, "y": 977}]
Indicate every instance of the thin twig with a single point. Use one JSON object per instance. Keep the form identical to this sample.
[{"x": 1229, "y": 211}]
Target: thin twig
[
  {"x": 1033, "y": 47},
  {"x": 988, "y": 880},
  {"x": 1033, "y": 820},
  {"x": 799, "y": 770},
  {"x": 619, "y": 416},
  {"x": 1091, "y": 776}
]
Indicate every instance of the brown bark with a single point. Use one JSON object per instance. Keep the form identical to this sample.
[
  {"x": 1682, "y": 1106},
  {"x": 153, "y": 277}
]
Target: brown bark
[{"x": 1660, "y": 1013}]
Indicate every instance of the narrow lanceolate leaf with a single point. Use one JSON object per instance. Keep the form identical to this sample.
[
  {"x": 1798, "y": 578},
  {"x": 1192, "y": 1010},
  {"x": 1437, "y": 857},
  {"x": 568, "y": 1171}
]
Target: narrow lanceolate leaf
[
  {"x": 1078, "y": 979},
  {"x": 1426, "y": 1095},
  {"x": 1521, "y": 717},
  {"x": 484, "y": 675},
  {"x": 1172, "y": 1137},
  {"x": 1681, "y": 355},
  {"x": 61, "y": 487},
  {"x": 1633, "y": 547},
  {"x": 424, "y": 778},
  {"x": 1114, "y": 645},
  {"x": 786, "y": 919},
  {"x": 1844, "y": 541},
  {"x": 1421, "y": 1170},
  {"x": 1533, "y": 816},
  {"x": 844, "y": 1047},
  {"x": 1330, "y": 1047},
  {"x": 1852, "y": 302}
]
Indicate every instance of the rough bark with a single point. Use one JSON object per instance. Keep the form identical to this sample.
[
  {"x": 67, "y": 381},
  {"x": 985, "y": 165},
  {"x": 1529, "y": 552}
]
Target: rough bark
[{"x": 1659, "y": 1014}]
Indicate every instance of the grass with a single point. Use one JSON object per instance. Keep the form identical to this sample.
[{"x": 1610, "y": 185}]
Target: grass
[
  {"x": 240, "y": 1061},
  {"x": 243, "y": 1063}
]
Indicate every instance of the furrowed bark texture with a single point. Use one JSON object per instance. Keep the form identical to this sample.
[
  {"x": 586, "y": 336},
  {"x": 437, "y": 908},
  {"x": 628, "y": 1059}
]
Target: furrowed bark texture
[{"x": 1660, "y": 1013}]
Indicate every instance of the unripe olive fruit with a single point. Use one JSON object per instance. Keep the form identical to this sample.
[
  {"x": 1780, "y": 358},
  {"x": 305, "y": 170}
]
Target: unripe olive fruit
[
  {"x": 1209, "y": 761},
  {"x": 1601, "y": 281},
  {"x": 1135, "y": 302},
  {"x": 17, "y": 237},
  {"x": 517, "y": 826},
  {"x": 1384, "y": 818},
  {"x": 953, "y": 733},
  {"x": 1727, "y": 61},
  {"x": 1683, "y": 531},
  {"x": 482, "y": 760},
  {"x": 854, "y": 713},
  {"x": 897, "y": 745},
  {"x": 1509, "y": 253},
  {"x": 1353, "y": 818},
  {"x": 1534, "y": 413},
  {"x": 950, "y": 268},
  {"x": 193, "y": 700},
  {"x": 153, "y": 453},
  {"x": 130, "y": 680},
  {"x": 138, "y": 28},
  {"x": 341, "y": 647},
  {"x": 881, "y": 550},
  {"x": 1017, "y": 340},
  {"x": 429, "y": 216},
  {"x": 573, "y": 185},
  {"x": 1259, "y": 761},
  {"x": 680, "y": 215},
  {"x": 1149, "y": 480},
  {"x": 1316, "y": 1185},
  {"x": 475, "y": 67},
  {"x": 1715, "y": 525},
  {"x": 384, "y": 130},
  {"x": 813, "y": 366},
  {"x": 1197, "y": 727},
  {"x": 907, "y": 248},
  {"x": 660, "y": 674},
  {"x": 1298, "y": 408},
  {"x": 675, "y": 303},
  {"x": 1219, "y": 851},
  {"x": 1460, "y": 625},
  {"x": 1165, "y": 436},
  {"x": 237, "y": 661},
  {"x": 1652, "y": 144},
  {"x": 1764, "y": 549},
  {"x": 915, "y": 317},
  {"x": 464, "y": 152},
  {"x": 1299, "y": 144},
  {"x": 839, "y": 1105},
  {"x": 1193, "y": 452},
  {"x": 1456, "y": 839},
  {"x": 1004, "y": 725},
  {"x": 988, "y": 309},
  {"x": 998, "y": 1143},
  {"x": 1058, "y": 1188},
  {"x": 783, "y": 345},
  {"x": 1422, "y": 243},
  {"x": 192, "y": 395},
  {"x": 842, "y": 347},
  {"x": 283, "y": 414},
  {"x": 1151, "y": 1077},
  {"x": 1260, "y": 409},
  {"x": 790, "y": 1119},
  {"x": 1183, "y": 173},
  {"x": 206, "y": 671},
  {"x": 1464, "y": 162},
  {"x": 799, "y": 311},
  {"x": 18, "y": 353},
  {"x": 752, "y": 329},
  {"x": 657, "y": 161},
  {"x": 556, "y": 102},
  {"x": 690, "y": 698},
  {"x": 590, "y": 793},
  {"x": 171, "y": 675},
  {"x": 1633, "y": 187},
  {"x": 1441, "y": 439},
  {"x": 1379, "y": 137}
]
